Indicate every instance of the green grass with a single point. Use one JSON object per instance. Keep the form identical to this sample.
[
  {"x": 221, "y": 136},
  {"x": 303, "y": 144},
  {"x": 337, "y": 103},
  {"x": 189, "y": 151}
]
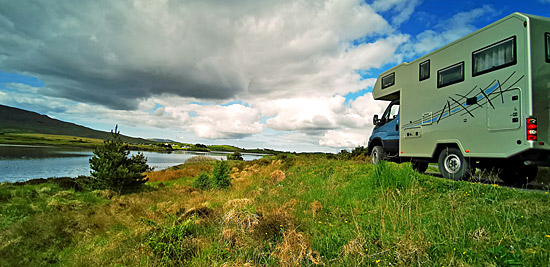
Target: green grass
[
  {"x": 281, "y": 211},
  {"x": 62, "y": 140}
]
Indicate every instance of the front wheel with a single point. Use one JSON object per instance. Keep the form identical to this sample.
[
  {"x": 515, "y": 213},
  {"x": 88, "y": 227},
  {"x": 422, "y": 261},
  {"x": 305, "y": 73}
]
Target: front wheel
[
  {"x": 419, "y": 166},
  {"x": 378, "y": 154},
  {"x": 453, "y": 165}
]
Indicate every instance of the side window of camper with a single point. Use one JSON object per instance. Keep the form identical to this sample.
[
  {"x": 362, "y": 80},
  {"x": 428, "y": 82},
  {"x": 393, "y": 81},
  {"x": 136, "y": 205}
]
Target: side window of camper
[
  {"x": 388, "y": 80},
  {"x": 548, "y": 47},
  {"x": 424, "y": 70},
  {"x": 494, "y": 57},
  {"x": 450, "y": 75}
]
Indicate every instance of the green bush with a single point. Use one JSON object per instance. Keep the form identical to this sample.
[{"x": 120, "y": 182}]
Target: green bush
[
  {"x": 235, "y": 156},
  {"x": 202, "y": 181},
  {"x": 220, "y": 176},
  {"x": 113, "y": 169}
]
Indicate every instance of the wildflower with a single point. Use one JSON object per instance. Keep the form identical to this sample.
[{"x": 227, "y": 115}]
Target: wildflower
[
  {"x": 377, "y": 261},
  {"x": 366, "y": 249},
  {"x": 548, "y": 236},
  {"x": 546, "y": 193},
  {"x": 464, "y": 253}
]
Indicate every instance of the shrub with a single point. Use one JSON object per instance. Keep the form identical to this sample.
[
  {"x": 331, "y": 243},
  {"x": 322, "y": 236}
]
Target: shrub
[
  {"x": 202, "y": 181},
  {"x": 220, "y": 175},
  {"x": 113, "y": 169},
  {"x": 235, "y": 156}
]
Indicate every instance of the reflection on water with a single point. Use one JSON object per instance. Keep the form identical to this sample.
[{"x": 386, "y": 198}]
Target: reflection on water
[{"x": 19, "y": 163}]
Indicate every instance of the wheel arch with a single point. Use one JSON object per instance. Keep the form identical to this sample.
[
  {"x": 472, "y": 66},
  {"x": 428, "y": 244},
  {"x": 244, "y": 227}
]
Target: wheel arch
[
  {"x": 375, "y": 142},
  {"x": 440, "y": 146}
]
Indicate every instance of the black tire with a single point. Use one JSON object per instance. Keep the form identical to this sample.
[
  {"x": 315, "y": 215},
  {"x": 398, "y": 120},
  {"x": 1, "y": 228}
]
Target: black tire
[
  {"x": 453, "y": 165},
  {"x": 518, "y": 175},
  {"x": 377, "y": 154},
  {"x": 419, "y": 166}
]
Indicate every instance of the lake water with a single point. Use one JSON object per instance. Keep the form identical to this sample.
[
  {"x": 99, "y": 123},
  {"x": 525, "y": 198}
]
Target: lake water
[{"x": 20, "y": 163}]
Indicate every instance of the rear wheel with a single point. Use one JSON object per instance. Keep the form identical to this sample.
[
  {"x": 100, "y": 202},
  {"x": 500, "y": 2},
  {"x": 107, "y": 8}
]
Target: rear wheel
[
  {"x": 453, "y": 165},
  {"x": 378, "y": 154},
  {"x": 517, "y": 174}
]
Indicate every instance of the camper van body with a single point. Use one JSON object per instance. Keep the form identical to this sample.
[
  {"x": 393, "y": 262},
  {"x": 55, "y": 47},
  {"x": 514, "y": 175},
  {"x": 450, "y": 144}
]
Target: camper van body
[{"x": 485, "y": 95}]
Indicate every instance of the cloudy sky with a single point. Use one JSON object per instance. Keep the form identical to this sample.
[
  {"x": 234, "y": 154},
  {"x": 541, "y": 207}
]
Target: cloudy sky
[{"x": 289, "y": 75}]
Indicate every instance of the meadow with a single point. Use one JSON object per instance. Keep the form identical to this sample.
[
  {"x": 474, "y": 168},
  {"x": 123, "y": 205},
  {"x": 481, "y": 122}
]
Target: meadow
[
  {"x": 281, "y": 210},
  {"x": 63, "y": 140}
]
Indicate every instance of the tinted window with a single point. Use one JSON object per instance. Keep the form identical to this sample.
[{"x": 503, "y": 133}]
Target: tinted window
[
  {"x": 494, "y": 57},
  {"x": 547, "y": 47},
  {"x": 450, "y": 75},
  {"x": 424, "y": 70},
  {"x": 388, "y": 80}
]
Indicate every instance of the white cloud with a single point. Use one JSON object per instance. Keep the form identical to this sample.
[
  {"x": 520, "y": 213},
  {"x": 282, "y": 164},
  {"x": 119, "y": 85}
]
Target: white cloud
[
  {"x": 345, "y": 138},
  {"x": 234, "y": 121}
]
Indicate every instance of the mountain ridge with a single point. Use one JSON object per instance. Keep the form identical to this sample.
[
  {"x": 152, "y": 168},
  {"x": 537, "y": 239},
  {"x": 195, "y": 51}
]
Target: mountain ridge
[{"x": 16, "y": 120}]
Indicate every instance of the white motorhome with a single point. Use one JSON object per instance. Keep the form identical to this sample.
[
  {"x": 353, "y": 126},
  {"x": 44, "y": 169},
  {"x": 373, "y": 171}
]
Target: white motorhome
[{"x": 481, "y": 101}]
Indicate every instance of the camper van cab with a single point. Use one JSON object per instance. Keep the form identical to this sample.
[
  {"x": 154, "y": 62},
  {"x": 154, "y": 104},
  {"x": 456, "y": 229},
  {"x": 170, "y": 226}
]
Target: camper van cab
[{"x": 479, "y": 102}]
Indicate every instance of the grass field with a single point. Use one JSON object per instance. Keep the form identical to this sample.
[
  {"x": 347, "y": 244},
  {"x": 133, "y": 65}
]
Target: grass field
[
  {"x": 61, "y": 140},
  {"x": 280, "y": 211}
]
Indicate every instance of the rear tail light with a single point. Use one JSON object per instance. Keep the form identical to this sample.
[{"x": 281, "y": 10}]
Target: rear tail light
[{"x": 532, "y": 129}]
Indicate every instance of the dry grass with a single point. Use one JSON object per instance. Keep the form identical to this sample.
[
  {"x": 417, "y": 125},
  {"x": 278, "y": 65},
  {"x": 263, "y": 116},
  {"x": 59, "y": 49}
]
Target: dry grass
[
  {"x": 243, "y": 220},
  {"x": 295, "y": 250},
  {"x": 277, "y": 176},
  {"x": 186, "y": 170},
  {"x": 356, "y": 247},
  {"x": 200, "y": 159},
  {"x": 316, "y": 207},
  {"x": 240, "y": 203}
]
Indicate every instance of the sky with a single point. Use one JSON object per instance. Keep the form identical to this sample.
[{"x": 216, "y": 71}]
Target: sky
[{"x": 292, "y": 75}]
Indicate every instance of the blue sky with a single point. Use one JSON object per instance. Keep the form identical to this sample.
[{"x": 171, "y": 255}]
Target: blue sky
[{"x": 288, "y": 75}]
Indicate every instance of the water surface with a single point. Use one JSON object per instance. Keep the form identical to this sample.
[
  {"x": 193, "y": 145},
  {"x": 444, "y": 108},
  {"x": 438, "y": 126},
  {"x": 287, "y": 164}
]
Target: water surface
[{"x": 20, "y": 163}]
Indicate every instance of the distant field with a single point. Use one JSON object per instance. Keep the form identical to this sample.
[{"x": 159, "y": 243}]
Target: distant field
[{"x": 59, "y": 140}]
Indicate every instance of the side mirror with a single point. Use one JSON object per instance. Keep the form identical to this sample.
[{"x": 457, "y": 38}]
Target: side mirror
[{"x": 375, "y": 120}]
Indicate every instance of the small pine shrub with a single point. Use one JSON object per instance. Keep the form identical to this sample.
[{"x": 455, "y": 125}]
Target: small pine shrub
[
  {"x": 220, "y": 176},
  {"x": 113, "y": 169},
  {"x": 202, "y": 181}
]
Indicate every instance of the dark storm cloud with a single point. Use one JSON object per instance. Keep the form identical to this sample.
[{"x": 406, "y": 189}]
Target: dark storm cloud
[{"x": 116, "y": 53}]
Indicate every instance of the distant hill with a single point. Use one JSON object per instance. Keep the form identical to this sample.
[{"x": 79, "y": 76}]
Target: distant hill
[{"x": 15, "y": 120}]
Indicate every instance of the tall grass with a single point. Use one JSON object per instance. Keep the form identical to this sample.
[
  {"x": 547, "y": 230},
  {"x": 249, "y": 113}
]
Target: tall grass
[{"x": 281, "y": 211}]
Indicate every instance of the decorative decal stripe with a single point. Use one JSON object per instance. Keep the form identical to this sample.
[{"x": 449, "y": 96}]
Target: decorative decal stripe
[{"x": 457, "y": 107}]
